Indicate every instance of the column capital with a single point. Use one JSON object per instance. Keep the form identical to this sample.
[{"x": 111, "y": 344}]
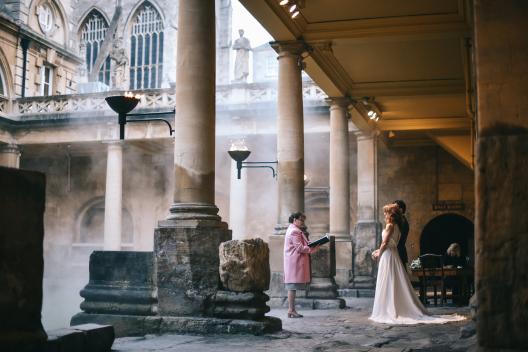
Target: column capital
[
  {"x": 289, "y": 48},
  {"x": 363, "y": 136},
  {"x": 341, "y": 103},
  {"x": 10, "y": 148}
]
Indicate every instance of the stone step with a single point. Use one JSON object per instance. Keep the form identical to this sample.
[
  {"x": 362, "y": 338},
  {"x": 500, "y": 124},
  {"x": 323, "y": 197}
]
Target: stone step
[
  {"x": 81, "y": 338},
  {"x": 356, "y": 292}
]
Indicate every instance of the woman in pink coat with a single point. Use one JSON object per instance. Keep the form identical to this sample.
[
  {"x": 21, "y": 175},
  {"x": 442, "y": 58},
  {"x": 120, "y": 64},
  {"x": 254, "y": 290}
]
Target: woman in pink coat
[{"x": 296, "y": 260}]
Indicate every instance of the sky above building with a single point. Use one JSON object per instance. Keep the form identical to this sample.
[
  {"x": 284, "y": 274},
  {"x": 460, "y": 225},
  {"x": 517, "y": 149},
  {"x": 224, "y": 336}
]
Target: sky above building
[{"x": 242, "y": 19}]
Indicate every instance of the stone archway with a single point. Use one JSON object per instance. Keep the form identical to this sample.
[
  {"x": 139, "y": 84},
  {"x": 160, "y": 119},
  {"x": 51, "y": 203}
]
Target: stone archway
[{"x": 445, "y": 229}]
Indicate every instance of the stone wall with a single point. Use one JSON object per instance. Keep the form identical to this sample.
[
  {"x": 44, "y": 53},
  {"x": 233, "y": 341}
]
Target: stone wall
[
  {"x": 22, "y": 201},
  {"x": 416, "y": 174}
]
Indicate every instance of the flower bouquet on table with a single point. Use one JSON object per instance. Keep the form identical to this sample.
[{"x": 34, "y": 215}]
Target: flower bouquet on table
[{"x": 415, "y": 264}]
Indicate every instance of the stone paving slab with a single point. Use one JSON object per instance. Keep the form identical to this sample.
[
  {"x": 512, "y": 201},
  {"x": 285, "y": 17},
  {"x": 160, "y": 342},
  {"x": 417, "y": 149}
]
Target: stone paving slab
[{"x": 320, "y": 331}]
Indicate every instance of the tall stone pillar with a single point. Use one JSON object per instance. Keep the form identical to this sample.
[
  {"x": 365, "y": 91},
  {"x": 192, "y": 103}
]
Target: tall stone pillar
[
  {"x": 290, "y": 153},
  {"x": 367, "y": 230},
  {"x": 186, "y": 243},
  {"x": 238, "y": 203},
  {"x": 340, "y": 189},
  {"x": 113, "y": 197},
  {"x": 501, "y": 167},
  {"x": 10, "y": 156}
]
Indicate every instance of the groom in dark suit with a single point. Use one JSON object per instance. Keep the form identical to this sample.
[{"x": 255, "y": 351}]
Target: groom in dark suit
[{"x": 402, "y": 251}]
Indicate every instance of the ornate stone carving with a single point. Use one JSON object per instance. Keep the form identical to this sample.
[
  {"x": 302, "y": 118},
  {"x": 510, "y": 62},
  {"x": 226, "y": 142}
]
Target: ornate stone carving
[{"x": 244, "y": 265}]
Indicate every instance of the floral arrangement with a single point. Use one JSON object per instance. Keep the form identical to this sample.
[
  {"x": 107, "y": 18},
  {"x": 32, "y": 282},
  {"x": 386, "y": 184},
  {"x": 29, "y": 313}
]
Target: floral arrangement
[{"x": 415, "y": 264}]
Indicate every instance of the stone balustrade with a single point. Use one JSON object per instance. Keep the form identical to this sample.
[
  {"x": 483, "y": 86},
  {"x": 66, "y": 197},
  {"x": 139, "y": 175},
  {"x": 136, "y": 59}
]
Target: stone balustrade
[{"x": 28, "y": 108}]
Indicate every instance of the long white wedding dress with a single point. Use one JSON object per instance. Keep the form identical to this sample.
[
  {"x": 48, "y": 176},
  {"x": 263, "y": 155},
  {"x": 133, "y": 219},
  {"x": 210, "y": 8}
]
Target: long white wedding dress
[{"x": 395, "y": 301}]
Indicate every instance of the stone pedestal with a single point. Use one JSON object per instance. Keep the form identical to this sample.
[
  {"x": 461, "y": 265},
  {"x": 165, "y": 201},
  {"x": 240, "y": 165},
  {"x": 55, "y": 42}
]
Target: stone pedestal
[
  {"x": 187, "y": 260},
  {"x": 245, "y": 274},
  {"x": 120, "y": 283},
  {"x": 240, "y": 305},
  {"x": 21, "y": 259},
  {"x": 323, "y": 288},
  {"x": 344, "y": 263},
  {"x": 365, "y": 241}
]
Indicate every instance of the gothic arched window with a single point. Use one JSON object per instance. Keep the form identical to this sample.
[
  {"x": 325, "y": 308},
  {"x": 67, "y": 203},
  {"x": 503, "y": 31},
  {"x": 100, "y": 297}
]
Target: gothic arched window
[
  {"x": 2, "y": 84},
  {"x": 146, "y": 48},
  {"x": 92, "y": 35}
]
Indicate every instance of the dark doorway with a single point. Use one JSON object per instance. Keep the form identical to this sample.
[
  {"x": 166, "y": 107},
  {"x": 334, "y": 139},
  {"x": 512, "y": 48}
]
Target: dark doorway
[{"x": 445, "y": 229}]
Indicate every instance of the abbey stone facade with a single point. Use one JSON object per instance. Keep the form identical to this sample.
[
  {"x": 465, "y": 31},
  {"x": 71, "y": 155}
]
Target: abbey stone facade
[{"x": 54, "y": 119}]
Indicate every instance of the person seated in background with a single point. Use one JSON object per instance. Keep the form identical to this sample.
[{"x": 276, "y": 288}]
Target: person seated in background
[{"x": 453, "y": 257}]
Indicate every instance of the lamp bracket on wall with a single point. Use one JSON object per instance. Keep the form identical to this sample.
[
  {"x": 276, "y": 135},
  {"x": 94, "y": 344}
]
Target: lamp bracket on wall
[{"x": 240, "y": 155}]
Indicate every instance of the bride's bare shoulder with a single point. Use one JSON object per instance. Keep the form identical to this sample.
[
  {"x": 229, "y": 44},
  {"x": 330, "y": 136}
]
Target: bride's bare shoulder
[{"x": 389, "y": 227}]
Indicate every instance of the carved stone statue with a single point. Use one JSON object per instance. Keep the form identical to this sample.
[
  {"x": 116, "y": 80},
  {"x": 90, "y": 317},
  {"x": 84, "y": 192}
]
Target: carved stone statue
[
  {"x": 242, "y": 47},
  {"x": 119, "y": 67}
]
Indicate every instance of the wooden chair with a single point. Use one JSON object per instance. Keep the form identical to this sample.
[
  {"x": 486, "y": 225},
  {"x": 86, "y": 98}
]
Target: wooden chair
[{"x": 433, "y": 276}]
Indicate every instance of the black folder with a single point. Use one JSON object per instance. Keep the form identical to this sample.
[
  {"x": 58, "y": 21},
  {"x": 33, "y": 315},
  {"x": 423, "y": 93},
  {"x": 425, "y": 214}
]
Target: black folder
[{"x": 322, "y": 240}]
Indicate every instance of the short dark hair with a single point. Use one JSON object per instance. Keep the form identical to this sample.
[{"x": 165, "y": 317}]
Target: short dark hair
[
  {"x": 296, "y": 215},
  {"x": 401, "y": 205}
]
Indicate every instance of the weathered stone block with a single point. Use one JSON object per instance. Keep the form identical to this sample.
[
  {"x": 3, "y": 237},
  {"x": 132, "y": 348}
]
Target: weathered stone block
[
  {"x": 121, "y": 282},
  {"x": 124, "y": 325},
  {"x": 65, "y": 340},
  {"x": 187, "y": 264},
  {"x": 244, "y": 265},
  {"x": 22, "y": 199},
  {"x": 97, "y": 338}
]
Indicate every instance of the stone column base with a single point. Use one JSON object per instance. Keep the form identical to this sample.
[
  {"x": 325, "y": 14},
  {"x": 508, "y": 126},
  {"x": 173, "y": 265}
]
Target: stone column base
[
  {"x": 240, "y": 305},
  {"x": 309, "y": 303},
  {"x": 121, "y": 282},
  {"x": 276, "y": 246},
  {"x": 133, "y": 325}
]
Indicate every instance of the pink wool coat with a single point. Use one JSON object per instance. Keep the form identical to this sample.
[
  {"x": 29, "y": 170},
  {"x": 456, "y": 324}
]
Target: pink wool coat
[{"x": 296, "y": 256}]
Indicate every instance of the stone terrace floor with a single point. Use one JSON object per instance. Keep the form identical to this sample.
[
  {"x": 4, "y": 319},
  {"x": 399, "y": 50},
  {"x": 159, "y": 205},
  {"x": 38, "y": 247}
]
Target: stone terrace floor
[{"x": 320, "y": 331}]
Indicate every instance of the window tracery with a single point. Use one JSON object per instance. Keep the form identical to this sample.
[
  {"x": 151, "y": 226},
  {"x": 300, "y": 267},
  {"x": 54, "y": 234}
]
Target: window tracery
[
  {"x": 146, "y": 49},
  {"x": 92, "y": 35}
]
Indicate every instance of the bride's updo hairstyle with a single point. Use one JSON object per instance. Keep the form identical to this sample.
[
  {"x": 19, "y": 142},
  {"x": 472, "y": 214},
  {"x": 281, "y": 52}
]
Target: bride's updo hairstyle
[{"x": 393, "y": 212}]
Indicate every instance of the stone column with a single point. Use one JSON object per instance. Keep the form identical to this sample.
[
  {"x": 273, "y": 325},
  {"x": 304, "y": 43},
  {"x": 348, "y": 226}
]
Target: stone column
[
  {"x": 367, "y": 230},
  {"x": 238, "y": 203},
  {"x": 186, "y": 243},
  {"x": 501, "y": 166},
  {"x": 340, "y": 189},
  {"x": 290, "y": 132},
  {"x": 290, "y": 153},
  {"x": 10, "y": 156},
  {"x": 113, "y": 196}
]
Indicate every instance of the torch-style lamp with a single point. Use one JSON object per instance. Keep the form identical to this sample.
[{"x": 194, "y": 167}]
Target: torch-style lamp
[
  {"x": 239, "y": 156},
  {"x": 239, "y": 152},
  {"x": 122, "y": 104}
]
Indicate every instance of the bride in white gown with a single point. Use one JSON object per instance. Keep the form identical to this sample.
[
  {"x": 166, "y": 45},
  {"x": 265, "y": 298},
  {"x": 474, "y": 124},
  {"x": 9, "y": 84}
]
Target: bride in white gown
[{"x": 395, "y": 301}]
